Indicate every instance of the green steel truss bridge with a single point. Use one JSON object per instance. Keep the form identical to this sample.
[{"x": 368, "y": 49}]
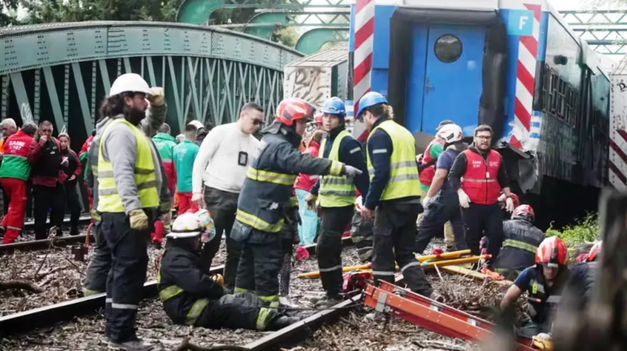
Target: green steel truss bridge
[{"x": 61, "y": 72}]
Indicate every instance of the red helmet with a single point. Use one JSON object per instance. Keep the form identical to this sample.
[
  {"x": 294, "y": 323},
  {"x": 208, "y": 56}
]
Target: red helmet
[
  {"x": 318, "y": 118},
  {"x": 552, "y": 252},
  {"x": 292, "y": 109},
  {"x": 524, "y": 212},
  {"x": 594, "y": 251}
]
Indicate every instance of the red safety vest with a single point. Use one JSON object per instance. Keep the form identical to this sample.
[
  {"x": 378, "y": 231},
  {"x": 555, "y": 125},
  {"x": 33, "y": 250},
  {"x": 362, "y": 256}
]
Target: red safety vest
[
  {"x": 427, "y": 174},
  {"x": 479, "y": 180}
]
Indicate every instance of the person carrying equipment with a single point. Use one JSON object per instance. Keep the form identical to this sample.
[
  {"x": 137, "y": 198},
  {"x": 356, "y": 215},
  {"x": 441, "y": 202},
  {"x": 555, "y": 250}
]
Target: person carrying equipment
[
  {"x": 393, "y": 197},
  {"x": 190, "y": 296},
  {"x": 267, "y": 202},
  {"x": 336, "y": 196},
  {"x": 544, "y": 283},
  {"x": 478, "y": 175},
  {"x": 440, "y": 201},
  {"x": 521, "y": 242}
]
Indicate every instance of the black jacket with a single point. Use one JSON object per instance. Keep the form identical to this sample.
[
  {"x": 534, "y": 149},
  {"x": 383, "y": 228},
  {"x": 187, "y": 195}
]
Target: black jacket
[
  {"x": 180, "y": 266},
  {"x": 267, "y": 194}
]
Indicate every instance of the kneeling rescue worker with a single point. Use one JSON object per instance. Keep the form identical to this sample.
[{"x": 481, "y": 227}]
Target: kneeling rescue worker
[
  {"x": 521, "y": 242},
  {"x": 584, "y": 275},
  {"x": 336, "y": 196},
  {"x": 544, "y": 283},
  {"x": 267, "y": 200},
  {"x": 190, "y": 296},
  {"x": 394, "y": 194}
]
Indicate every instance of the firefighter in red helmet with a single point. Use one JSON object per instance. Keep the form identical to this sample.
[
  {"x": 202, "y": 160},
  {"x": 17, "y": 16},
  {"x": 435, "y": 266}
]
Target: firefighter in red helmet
[
  {"x": 543, "y": 283},
  {"x": 522, "y": 239},
  {"x": 267, "y": 209}
]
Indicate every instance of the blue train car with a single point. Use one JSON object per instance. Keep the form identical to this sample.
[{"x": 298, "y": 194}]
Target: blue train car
[{"x": 512, "y": 64}]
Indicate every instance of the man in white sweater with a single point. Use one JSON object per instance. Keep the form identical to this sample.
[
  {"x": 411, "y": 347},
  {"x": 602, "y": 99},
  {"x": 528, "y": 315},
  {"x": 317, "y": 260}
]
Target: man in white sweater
[{"x": 221, "y": 163}]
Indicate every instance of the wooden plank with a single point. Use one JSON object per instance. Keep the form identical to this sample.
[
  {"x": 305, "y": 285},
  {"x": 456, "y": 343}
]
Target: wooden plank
[{"x": 473, "y": 274}]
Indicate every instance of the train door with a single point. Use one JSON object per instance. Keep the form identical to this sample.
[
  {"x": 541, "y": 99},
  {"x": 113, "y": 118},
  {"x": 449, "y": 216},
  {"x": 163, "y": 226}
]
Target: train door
[{"x": 447, "y": 74}]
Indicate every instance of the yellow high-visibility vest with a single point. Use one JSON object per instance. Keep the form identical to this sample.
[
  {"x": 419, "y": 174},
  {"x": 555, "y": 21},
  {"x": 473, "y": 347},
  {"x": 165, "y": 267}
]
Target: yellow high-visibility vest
[
  {"x": 336, "y": 191},
  {"x": 404, "y": 180},
  {"x": 109, "y": 201}
]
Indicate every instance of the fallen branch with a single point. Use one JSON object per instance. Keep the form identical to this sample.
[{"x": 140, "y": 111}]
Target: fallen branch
[
  {"x": 438, "y": 345},
  {"x": 39, "y": 277},
  {"x": 20, "y": 285},
  {"x": 187, "y": 346}
]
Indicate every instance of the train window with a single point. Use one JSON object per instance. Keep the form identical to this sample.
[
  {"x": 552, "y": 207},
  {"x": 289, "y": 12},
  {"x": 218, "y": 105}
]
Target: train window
[
  {"x": 561, "y": 99},
  {"x": 448, "y": 48}
]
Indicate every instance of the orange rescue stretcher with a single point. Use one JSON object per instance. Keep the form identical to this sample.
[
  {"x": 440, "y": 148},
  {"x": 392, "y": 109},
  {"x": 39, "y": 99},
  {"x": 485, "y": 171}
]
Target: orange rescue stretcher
[{"x": 432, "y": 315}]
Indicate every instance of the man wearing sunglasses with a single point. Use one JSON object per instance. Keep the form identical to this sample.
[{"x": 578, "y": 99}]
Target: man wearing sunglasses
[{"x": 221, "y": 164}]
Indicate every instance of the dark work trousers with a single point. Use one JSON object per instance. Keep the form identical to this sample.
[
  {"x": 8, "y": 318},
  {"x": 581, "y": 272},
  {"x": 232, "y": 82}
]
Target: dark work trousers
[
  {"x": 222, "y": 205},
  {"x": 235, "y": 311},
  {"x": 129, "y": 262},
  {"x": 443, "y": 208},
  {"x": 395, "y": 237},
  {"x": 74, "y": 205},
  {"x": 483, "y": 220},
  {"x": 289, "y": 236},
  {"x": 48, "y": 199},
  {"x": 329, "y": 246},
  {"x": 99, "y": 264},
  {"x": 259, "y": 266}
]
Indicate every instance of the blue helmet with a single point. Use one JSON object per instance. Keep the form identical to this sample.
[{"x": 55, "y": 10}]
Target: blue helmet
[
  {"x": 368, "y": 100},
  {"x": 334, "y": 106}
]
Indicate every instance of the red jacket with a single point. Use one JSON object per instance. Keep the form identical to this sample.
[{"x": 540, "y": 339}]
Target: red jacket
[
  {"x": 480, "y": 179},
  {"x": 427, "y": 174},
  {"x": 47, "y": 181},
  {"x": 305, "y": 181},
  {"x": 85, "y": 145}
]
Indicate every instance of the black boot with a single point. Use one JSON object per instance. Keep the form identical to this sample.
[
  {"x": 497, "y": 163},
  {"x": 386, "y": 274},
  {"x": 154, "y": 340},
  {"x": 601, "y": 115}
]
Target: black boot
[
  {"x": 74, "y": 231},
  {"x": 281, "y": 322}
]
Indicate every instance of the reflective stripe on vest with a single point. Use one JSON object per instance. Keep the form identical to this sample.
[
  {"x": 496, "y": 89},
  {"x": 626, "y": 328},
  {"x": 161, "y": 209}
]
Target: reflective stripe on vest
[
  {"x": 262, "y": 318},
  {"x": 144, "y": 173},
  {"x": 194, "y": 312},
  {"x": 404, "y": 180},
  {"x": 336, "y": 191},
  {"x": 270, "y": 177},
  {"x": 520, "y": 245},
  {"x": 479, "y": 180},
  {"x": 257, "y": 222}
]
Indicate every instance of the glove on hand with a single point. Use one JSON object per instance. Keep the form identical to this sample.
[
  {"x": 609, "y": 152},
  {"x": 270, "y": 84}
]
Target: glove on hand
[
  {"x": 509, "y": 205},
  {"x": 426, "y": 201},
  {"x": 156, "y": 97},
  {"x": 464, "y": 200},
  {"x": 138, "y": 219},
  {"x": 351, "y": 171},
  {"x": 310, "y": 200}
]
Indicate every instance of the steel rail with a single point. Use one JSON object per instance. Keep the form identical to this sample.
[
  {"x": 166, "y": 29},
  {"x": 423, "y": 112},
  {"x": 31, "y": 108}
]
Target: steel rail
[
  {"x": 48, "y": 315},
  {"x": 31, "y": 245}
]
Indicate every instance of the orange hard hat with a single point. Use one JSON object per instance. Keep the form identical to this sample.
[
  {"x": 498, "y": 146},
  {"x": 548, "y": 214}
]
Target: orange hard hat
[
  {"x": 552, "y": 252},
  {"x": 293, "y": 109}
]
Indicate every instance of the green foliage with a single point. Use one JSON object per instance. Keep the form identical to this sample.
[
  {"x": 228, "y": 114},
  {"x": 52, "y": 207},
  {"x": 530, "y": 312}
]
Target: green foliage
[
  {"x": 7, "y": 9},
  {"x": 287, "y": 36},
  {"x": 586, "y": 230}
]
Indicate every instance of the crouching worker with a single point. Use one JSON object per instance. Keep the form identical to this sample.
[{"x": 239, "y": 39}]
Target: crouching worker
[
  {"x": 190, "y": 296},
  {"x": 543, "y": 283}
]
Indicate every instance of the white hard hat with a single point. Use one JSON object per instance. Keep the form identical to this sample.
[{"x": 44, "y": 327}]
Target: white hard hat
[
  {"x": 198, "y": 124},
  {"x": 450, "y": 133},
  {"x": 186, "y": 225},
  {"x": 129, "y": 82}
]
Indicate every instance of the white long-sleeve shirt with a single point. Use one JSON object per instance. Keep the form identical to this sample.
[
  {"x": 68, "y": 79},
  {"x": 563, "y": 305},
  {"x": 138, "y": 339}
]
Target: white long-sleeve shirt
[{"x": 217, "y": 160}]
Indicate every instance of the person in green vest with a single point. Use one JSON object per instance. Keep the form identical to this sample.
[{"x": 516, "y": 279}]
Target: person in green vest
[
  {"x": 393, "y": 196},
  {"x": 129, "y": 199},
  {"x": 336, "y": 196}
]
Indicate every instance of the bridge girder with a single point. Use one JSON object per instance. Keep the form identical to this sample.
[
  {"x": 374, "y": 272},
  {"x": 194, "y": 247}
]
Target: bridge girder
[
  {"x": 604, "y": 30},
  {"x": 61, "y": 72}
]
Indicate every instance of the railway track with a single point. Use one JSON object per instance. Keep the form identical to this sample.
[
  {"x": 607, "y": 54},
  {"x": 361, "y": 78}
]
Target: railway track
[
  {"x": 66, "y": 315},
  {"x": 30, "y": 245}
]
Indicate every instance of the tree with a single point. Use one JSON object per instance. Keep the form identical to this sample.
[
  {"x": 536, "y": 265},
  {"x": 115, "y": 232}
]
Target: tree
[
  {"x": 287, "y": 36},
  {"x": 6, "y": 7}
]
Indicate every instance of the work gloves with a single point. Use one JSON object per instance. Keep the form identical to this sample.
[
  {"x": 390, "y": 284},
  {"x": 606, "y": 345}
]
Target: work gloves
[
  {"x": 464, "y": 200},
  {"x": 350, "y": 171},
  {"x": 156, "y": 97},
  {"x": 426, "y": 201},
  {"x": 138, "y": 219},
  {"x": 310, "y": 200},
  {"x": 509, "y": 205}
]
